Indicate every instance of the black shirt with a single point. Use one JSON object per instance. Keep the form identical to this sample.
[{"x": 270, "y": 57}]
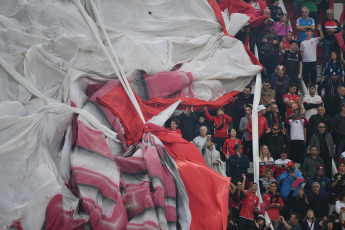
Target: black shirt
[
  {"x": 291, "y": 62},
  {"x": 340, "y": 186},
  {"x": 276, "y": 10}
]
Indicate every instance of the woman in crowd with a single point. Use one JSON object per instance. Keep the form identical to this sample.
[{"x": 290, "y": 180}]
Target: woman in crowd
[
  {"x": 229, "y": 144},
  {"x": 309, "y": 221},
  {"x": 265, "y": 181},
  {"x": 236, "y": 198},
  {"x": 282, "y": 27},
  {"x": 333, "y": 63},
  {"x": 298, "y": 204},
  {"x": 265, "y": 161},
  {"x": 340, "y": 204}
]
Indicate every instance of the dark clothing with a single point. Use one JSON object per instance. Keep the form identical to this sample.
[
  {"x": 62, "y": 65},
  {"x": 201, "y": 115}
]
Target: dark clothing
[
  {"x": 187, "y": 125},
  {"x": 297, "y": 205},
  {"x": 324, "y": 144},
  {"x": 281, "y": 86},
  {"x": 291, "y": 62},
  {"x": 239, "y": 111},
  {"x": 334, "y": 105},
  {"x": 197, "y": 128},
  {"x": 271, "y": 119},
  {"x": 338, "y": 128},
  {"x": 330, "y": 24},
  {"x": 276, "y": 11},
  {"x": 305, "y": 225},
  {"x": 325, "y": 186},
  {"x": 245, "y": 224},
  {"x": 319, "y": 204},
  {"x": 238, "y": 165},
  {"x": 277, "y": 144},
  {"x": 330, "y": 90},
  {"x": 309, "y": 166},
  {"x": 315, "y": 120},
  {"x": 340, "y": 186},
  {"x": 309, "y": 73}
]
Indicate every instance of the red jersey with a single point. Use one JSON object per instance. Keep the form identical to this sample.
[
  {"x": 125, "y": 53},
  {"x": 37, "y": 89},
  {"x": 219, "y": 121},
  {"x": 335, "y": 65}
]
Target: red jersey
[
  {"x": 229, "y": 144},
  {"x": 273, "y": 213},
  {"x": 250, "y": 202},
  {"x": 176, "y": 131},
  {"x": 221, "y": 122},
  {"x": 286, "y": 46},
  {"x": 290, "y": 97},
  {"x": 262, "y": 122}
]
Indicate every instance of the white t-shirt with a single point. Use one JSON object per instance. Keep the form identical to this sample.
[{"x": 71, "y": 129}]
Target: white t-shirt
[
  {"x": 297, "y": 129},
  {"x": 281, "y": 162},
  {"x": 313, "y": 100},
  {"x": 308, "y": 48},
  {"x": 199, "y": 142}
]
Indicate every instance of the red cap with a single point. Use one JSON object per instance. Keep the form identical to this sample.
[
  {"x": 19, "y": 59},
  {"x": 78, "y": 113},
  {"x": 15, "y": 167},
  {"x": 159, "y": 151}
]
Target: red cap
[
  {"x": 281, "y": 67},
  {"x": 290, "y": 164}
]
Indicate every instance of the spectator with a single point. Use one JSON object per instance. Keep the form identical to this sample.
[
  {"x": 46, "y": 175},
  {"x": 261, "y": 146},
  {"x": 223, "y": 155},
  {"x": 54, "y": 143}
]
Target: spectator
[
  {"x": 280, "y": 83},
  {"x": 311, "y": 101},
  {"x": 293, "y": 224},
  {"x": 318, "y": 202},
  {"x": 255, "y": 33},
  {"x": 274, "y": 203},
  {"x": 321, "y": 116},
  {"x": 338, "y": 180},
  {"x": 260, "y": 223},
  {"x": 229, "y": 144},
  {"x": 288, "y": 180},
  {"x": 268, "y": 95},
  {"x": 249, "y": 206},
  {"x": 221, "y": 122},
  {"x": 276, "y": 11},
  {"x": 336, "y": 101},
  {"x": 282, "y": 27},
  {"x": 272, "y": 115},
  {"x": 311, "y": 5},
  {"x": 262, "y": 122},
  {"x": 284, "y": 45},
  {"x": 259, "y": 6},
  {"x": 299, "y": 204},
  {"x": 298, "y": 135},
  {"x": 199, "y": 141},
  {"x": 341, "y": 218},
  {"x": 330, "y": 27},
  {"x": 311, "y": 162},
  {"x": 310, "y": 222},
  {"x": 292, "y": 60},
  {"x": 277, "y": 141},
  {"x": 247, "y": 143},
  {"x": 323, "y": 141},
  {"x": 265, "y": 181},
  {"x": 333, "y": 64},
  {"x": 340, "y": 204},
  {"x": 338, "y": 129},
  {"x": 243, "y": 99},
  {"x": 330, "y": 85},
  {"x": 201, "y": 122},
  {"x": 268, "y": 49},
  {"x": 319, "y": 177},
  {"x": 290, "y": 98},
  {"x": 265, "y": 160},
  {"x": 175, "y": 123},
  {"x": 236, "y": 198},
  {"x": 281, "y": 163},
  {"x": 238, "y": 163},
  {"x": 308, "y": 49},
  {"x": 212, "y": 157},
  {"x": 187, "y": 123},
  {"x": 304, "y": 23}
]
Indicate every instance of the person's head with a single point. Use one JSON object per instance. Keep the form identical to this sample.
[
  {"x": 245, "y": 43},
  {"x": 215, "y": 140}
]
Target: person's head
[
  {"x": 201, "y": 119},
  {"x": 281, "y": 70},
  {"x": 273, "y": 187},
  {"x": 253, "y": 187},
  {"x": 233, "y": 133},
  {"x": 274, "y": 108},
  {"x": 275, "y": 2},
  {"x": 320, "y": 170},
  {"x": 333, "y": 56},
  {"x": 175, "y": 123},
  {"x": 248, "y": 110},
  {"x": 316, "y": 187},
  {"x": 342, "y": 106},
  {"x": 261, "y": 110},
  {"x": 220, "y": 111},
  {"x": 284, "y": 18},
  {"x": 313, "y": 151},
  {"x": 267, "y": 12},
  {"x": 321, "y": 110},
  {"x": 305, "y": 12},
  {"x": 210, "y": 143},
  {"x": 329, "y": 225},
  {"x": 342, "y": 196},
  {"x": 264, "y": 152},
  {"x": 292, "y": 88},
  {"x": 239, "y": 185},
  {"x": 294, "y": 219},
  {"x": 289, "y": 36},
  {"x": 203, "y": 131},
  {"x": 267, "y": 84},
  {"x": 300, "y": 193},
  {"x": 341, "y": 91},
  {"x": 335, "y": 75},
  {"x": 308, "y": 32},
  {"x": 268, "y": 173},
  {"x": 247, "y": 90},
  {"x": 290, "y": 167},
  {"x": 312, "y": 89},
  {"x": 330, "y": 14},
  {"x": 260, "y": 220},
  {"x": 238, "y": 149},
  {"x": 322, "y": 127},
  {"x": 342, "y": 167},
  {"x": 310, "y": 215},
  {"x": 270, "y": 25},
  {"x": 294, "y": 107},
  {"x": 293, "y": 45},
  {"x": 283, "y": 155},
  {"x": 276, "y": 129}
]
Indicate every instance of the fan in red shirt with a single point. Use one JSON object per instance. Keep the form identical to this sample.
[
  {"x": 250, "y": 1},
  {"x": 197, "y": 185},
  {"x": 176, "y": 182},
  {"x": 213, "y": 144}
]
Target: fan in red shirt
[
  {"x": 249, "y": 206},
  {"x": 263, "y": 127},
  {"x": 221, "y": 122},
  {"x": 175, "y": 123},
  {"x": 274, "y": 202},
  {"x": 290, "y": 98},
  {"x": 229, "y": 144}
]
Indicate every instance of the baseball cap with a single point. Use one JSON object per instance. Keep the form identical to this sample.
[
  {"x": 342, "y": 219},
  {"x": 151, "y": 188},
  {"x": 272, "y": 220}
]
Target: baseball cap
[
  {"x": 281, "y": 67},
  {"x": 319, "y": 166},
  {"x": 261, "y": 107},
  {"x": 260, "y": 217},
  {"x": 290, "y": 164},
  {"x": 270, "y": 23}
]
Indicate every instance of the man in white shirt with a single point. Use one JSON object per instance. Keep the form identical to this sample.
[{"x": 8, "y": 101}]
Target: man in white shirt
[
  {"x": 199, "y": 141},
  {"x": 311, "y": 102},
  {"x": 308, "y": 49}
]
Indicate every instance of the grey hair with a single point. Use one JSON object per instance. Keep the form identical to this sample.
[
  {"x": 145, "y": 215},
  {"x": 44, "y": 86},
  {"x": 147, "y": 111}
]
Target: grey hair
[
  {"x": 306, "y": 8},
  {"x": 203, "y": 126},
  {"x": 339, "y": 88},
  {"x": 316, "y": 183},
  {"x": 329, "y": 10}
]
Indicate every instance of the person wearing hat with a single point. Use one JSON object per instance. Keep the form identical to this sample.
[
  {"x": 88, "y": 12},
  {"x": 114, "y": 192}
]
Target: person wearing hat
[
  {"x": 289, "y": 179},
  {"x": 319, "y": 177},
  {"x": 308, "y": 49},
  {"x": 269, "y": 49},
  {"x": 262, "y": 122},
  {"x": 280, "y": 84},
  {"x": 260, "y": 223}
]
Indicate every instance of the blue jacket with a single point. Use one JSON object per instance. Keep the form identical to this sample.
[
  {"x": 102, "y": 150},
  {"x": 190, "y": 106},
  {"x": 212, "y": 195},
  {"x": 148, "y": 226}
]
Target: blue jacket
[
  {"x": 325, "y": 185},
  {"x": 286, "y": 83},
  {"x": 238, "y": 165},
  {"x": 285, "y": 182}
]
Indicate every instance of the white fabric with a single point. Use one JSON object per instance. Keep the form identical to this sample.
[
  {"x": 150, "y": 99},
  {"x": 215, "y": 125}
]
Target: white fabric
[
  {"x": 296, "y": 129},
  {"x": 313, "y": 100},
  {"x": 308, "y": 48},
  {"x": 199, "y": 141},
  {"x": 282, "y": 162}
]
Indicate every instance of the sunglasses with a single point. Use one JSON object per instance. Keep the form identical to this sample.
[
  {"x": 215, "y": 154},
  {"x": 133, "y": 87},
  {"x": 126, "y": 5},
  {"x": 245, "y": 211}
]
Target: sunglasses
[
  {"x": 322, "y": 127},
  {"x": 316, "y": 187},
  {"x": 275, "y": 129}
]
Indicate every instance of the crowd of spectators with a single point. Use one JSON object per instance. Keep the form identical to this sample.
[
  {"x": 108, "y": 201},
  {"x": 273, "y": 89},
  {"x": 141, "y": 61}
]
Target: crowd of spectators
[{"x": 301, "y": 126}]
